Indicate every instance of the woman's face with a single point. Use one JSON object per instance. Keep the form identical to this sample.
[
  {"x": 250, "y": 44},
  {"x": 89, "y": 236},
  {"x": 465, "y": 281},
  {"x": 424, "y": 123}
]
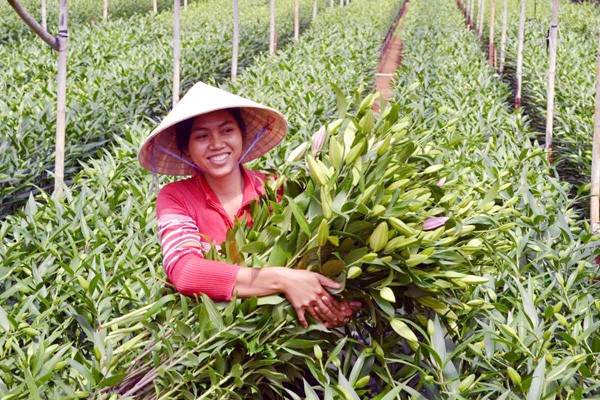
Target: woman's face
[{"x": 215, "y": 143}]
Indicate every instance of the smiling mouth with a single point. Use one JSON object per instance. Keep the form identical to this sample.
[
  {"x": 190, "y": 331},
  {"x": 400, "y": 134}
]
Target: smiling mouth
[{"x": 219, "y": 158}]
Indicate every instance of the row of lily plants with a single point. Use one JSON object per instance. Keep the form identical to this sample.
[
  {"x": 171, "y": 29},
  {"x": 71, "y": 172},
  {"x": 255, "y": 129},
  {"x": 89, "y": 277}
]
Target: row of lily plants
[
  {"x": 579, "y": 28},
  {"x": 110, "y": 86},
  {"x": 85, "y": 310},
  {"x": 530, "y": 331}
]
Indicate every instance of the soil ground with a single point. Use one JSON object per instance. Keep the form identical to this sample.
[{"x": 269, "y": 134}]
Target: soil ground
[{"x": 390, "y": 60}]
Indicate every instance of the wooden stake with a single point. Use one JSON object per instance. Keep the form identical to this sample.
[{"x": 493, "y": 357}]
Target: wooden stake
[
  {"x": 236, "y": 40},
  {"x": 492, "y": 48},
  {"x": 61, "y": 97},
  {"x": 315, "y": 6},
  {"x": 44, "y": 23},
  {"x": 341, "y": 2},
  {"x": 185, "y": 4},
  {"x": 480, "y": 19},
  {"x": 272, "y": 29},
  {"x": 520, "y": 41},
  {"x": 176, "y": 49},
  {"x": 468, "y": 12},
  {"x": 595, "y": 201},
  {"x": 472, "y": 17},
  {"x": 503, "y": 39},
  {"x": 331, "y": 3},
  {"x": 296, "y": 21},
  {"x": 105, "y": 10},
  {"x": 155, "y": 6},
  {"x": 551, "y": 75}
]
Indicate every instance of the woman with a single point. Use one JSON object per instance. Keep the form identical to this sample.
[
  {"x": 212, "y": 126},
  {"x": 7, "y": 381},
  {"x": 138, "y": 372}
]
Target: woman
[{"x": 208, "y": 135}]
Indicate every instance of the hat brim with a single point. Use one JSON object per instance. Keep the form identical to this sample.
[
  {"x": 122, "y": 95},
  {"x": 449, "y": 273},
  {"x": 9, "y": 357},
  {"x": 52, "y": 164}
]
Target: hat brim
[{"x": 202, "y": 99}]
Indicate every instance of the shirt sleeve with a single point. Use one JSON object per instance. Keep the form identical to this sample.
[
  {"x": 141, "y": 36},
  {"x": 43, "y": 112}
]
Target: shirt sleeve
[{"x": 183, "y": 253}]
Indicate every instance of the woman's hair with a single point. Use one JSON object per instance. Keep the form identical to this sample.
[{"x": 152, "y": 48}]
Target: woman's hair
[{"x": 184, "y": 128}]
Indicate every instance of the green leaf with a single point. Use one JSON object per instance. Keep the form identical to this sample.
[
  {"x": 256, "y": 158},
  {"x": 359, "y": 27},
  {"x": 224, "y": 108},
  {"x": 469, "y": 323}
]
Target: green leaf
[
  {"x": 112, "y": 380},
  {"x": 213, "y": 313},
  {"x": 299, "y": 216},
  {"x": 309, "y": 392},
  {"x": 403, "y": 330},
  {"x": 537, "y": 382},
  {"x": 343, "y": 382},
  {"x": 4, "y": 322},
  {"x": 270, "y": 300}
]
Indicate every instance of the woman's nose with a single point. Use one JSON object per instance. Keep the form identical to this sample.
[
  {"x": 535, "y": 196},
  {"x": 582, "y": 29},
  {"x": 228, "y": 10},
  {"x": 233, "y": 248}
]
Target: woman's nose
[{"x": 216, "y": 141}]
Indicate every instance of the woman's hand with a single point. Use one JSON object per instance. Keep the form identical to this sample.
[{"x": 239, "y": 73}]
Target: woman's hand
[{"x": 305, "y": 290}]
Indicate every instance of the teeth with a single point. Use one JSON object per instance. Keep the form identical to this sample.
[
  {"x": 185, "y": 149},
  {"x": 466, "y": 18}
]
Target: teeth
[{"x": 219, "y": 158}]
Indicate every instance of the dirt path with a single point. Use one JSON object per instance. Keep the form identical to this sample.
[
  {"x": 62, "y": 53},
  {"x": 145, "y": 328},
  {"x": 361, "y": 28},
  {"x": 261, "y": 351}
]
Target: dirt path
[{"x": 390, "y": 60}]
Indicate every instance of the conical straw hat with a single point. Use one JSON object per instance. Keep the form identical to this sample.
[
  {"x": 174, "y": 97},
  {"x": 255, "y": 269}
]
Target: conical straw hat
[{"x": 201, "y": 99}]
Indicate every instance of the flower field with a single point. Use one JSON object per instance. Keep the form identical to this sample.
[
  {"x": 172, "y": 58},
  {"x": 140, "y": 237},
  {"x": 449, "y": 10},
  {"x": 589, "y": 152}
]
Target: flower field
[{"x": 442, "y": 214}]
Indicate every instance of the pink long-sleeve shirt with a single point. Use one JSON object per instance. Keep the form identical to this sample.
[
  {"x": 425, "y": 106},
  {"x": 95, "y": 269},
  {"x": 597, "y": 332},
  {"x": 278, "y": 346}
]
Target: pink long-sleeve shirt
[{"x": 190, "y": 217}]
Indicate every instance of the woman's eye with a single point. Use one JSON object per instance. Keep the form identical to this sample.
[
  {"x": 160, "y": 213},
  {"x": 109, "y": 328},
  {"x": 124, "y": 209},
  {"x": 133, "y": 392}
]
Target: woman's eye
[{"x": 201, "y": 137}]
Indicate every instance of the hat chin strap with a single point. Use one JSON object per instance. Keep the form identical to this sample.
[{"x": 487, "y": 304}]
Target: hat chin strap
[
  {"x": 172, "y": 154},
  {"x": 154, "y": 144},
  {"x": 260, "y": 133}
]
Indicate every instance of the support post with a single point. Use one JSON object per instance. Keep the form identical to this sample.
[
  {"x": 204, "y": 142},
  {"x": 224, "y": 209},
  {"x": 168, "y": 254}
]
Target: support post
[
  {"x": 272, "y": 29},
  {"x": 236, "y": 40},
  {"x": 480, "y": 19},
  {"x": 551, "y": 75},
  {"x": 105, "y": 10},
  {"x": 472, "y": 16},
  {"x": 492, "y": 47},
  {"x": 44, "y": 17},
  {"x": 503, "y": 39},
  {"x": 61, "y": 97},
  {"x": 176, "y": 50},
  {"x": 467, "y": 12},
  {"x": 520, "y": 41},
  {"x": 296, "y": 21}
]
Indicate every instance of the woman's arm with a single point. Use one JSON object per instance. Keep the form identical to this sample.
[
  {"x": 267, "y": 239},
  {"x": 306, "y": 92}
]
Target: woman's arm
[{"x": 305, "y": 291}]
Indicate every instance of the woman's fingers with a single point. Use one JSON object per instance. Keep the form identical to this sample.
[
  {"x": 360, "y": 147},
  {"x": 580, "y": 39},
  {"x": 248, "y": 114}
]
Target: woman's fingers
[
  {"x": 318, "y": 314},
  {"x": 301, "y": 316},
  {"x": 336, "y": 310},
  {"x": 330, "y": 283}
]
